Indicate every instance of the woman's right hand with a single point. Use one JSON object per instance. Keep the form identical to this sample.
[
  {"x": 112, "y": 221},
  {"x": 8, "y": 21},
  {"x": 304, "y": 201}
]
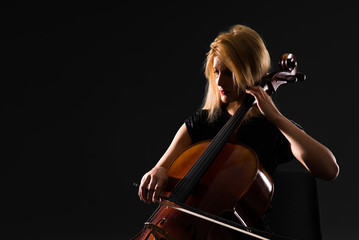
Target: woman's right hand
[
  {"x": 152, "y": 183},
  {"x": 155, "y": 181}
]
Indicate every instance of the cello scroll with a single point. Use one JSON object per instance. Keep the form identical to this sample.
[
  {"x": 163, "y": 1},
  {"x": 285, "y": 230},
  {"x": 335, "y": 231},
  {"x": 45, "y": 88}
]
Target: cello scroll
[{"x": 288, "y": 74}]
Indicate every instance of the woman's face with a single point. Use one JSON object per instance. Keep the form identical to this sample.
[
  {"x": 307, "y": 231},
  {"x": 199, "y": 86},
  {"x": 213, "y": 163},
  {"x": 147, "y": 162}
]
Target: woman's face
[{"x": 225, "y": 82}]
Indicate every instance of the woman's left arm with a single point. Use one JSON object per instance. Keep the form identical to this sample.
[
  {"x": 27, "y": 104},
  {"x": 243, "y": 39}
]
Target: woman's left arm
[{"x": 317, "y": 158}]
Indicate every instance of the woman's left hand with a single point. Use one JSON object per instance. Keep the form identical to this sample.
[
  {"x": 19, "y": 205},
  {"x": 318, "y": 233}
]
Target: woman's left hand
[
  {"x": 264, "y": 103},
  {"x": 317, "y": 158}
]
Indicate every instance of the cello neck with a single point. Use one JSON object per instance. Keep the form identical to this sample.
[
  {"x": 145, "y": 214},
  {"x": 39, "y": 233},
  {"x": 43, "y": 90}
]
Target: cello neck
[{"x": 270, "y": 83}]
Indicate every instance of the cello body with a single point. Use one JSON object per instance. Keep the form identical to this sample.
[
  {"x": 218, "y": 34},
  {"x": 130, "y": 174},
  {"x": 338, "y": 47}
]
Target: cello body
[
  {"x": 218, "y": 178},
  {"x": 235, "y": 185}
]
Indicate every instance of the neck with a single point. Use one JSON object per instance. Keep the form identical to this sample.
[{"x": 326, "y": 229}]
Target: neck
[{"x": 232, "y": 107}]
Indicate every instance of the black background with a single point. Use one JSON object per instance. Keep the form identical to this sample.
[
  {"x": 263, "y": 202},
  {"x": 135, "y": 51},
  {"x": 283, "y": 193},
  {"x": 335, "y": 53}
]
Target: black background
[{"x": 92, "y": 94}]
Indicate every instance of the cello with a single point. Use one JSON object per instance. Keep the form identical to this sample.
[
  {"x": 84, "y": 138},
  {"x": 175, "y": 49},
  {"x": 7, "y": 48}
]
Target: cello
[{"x": 201, "y": 196}]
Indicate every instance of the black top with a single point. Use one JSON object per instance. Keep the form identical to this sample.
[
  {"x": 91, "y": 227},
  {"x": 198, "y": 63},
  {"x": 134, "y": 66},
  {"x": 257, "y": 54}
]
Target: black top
[
  {"x": 257, "y": 133},
  {"x": 270, "y": 145}
]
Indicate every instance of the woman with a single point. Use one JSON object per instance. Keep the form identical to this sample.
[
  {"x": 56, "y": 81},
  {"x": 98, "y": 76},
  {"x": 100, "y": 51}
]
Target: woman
[{"x": 236, "y": 62}]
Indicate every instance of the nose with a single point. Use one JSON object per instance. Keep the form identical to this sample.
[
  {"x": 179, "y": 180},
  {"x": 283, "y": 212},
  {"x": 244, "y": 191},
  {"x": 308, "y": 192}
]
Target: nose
[{"x": 220, "y": 79}]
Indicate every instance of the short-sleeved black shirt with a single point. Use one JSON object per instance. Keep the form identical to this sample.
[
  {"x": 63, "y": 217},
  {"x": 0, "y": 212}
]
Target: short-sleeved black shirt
[
  {"x": 270, "y": 145},
  {"x": 257, "y": 133}
]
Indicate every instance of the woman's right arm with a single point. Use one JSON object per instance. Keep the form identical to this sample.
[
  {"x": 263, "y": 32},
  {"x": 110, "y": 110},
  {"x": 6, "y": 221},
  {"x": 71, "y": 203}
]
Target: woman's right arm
[{"x": 154, "y": 181}]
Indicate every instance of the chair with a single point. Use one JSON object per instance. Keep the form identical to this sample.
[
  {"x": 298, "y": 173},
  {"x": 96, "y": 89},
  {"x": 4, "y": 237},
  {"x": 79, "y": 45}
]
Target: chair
[{"x": 295, "y": 210}]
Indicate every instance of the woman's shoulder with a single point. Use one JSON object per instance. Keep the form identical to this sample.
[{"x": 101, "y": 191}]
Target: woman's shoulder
[
  {"x": 200, "y": 115},
  {"x": 201, "y": 118},
  {"x": 197, "y": 120}
]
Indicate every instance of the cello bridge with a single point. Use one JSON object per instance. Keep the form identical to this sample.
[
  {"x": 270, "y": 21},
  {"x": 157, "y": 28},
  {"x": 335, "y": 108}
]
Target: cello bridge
[{"x": 157, "y": 232}]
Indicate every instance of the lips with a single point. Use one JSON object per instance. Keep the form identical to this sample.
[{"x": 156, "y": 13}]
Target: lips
[{"x": 223, "y": 92}]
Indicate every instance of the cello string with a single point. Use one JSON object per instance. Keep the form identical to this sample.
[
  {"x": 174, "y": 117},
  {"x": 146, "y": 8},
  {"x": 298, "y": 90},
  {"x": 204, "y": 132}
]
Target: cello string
[
  {"x": 207, "y": 157},
  {"x": 186, "y": 185},
  {"x": 222, "y": 137},
  {"x": 200, "y": 166}
]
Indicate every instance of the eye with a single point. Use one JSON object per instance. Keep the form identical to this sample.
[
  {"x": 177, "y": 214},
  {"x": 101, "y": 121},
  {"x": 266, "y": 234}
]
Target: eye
[
  {"x": 215, "y": 71},
  {"x": 227, "y": 72}
]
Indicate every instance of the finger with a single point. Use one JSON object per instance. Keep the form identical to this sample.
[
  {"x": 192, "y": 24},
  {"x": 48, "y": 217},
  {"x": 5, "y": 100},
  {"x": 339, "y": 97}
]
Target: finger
[
  {"x": 255, "y": 90},
  {"x": 151, "y": 189},
  {"x": 253, "y": 93},
  {"x": 156, "y": 194},
  {"x": 142, "y": 191},
  {"x": 258, "y": 93},
  {"x": 253, "y": 87},
  {"x": 158, "y": 190},
  {"x": 149, "y": 195}
]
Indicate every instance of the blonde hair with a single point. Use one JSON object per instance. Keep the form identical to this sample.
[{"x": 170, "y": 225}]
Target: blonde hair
[{"x": 244, "y": 53}]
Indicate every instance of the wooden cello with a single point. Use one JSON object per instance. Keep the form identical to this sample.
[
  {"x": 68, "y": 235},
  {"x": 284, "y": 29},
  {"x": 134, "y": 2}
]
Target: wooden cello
[{"x": 212, "y": 180}]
